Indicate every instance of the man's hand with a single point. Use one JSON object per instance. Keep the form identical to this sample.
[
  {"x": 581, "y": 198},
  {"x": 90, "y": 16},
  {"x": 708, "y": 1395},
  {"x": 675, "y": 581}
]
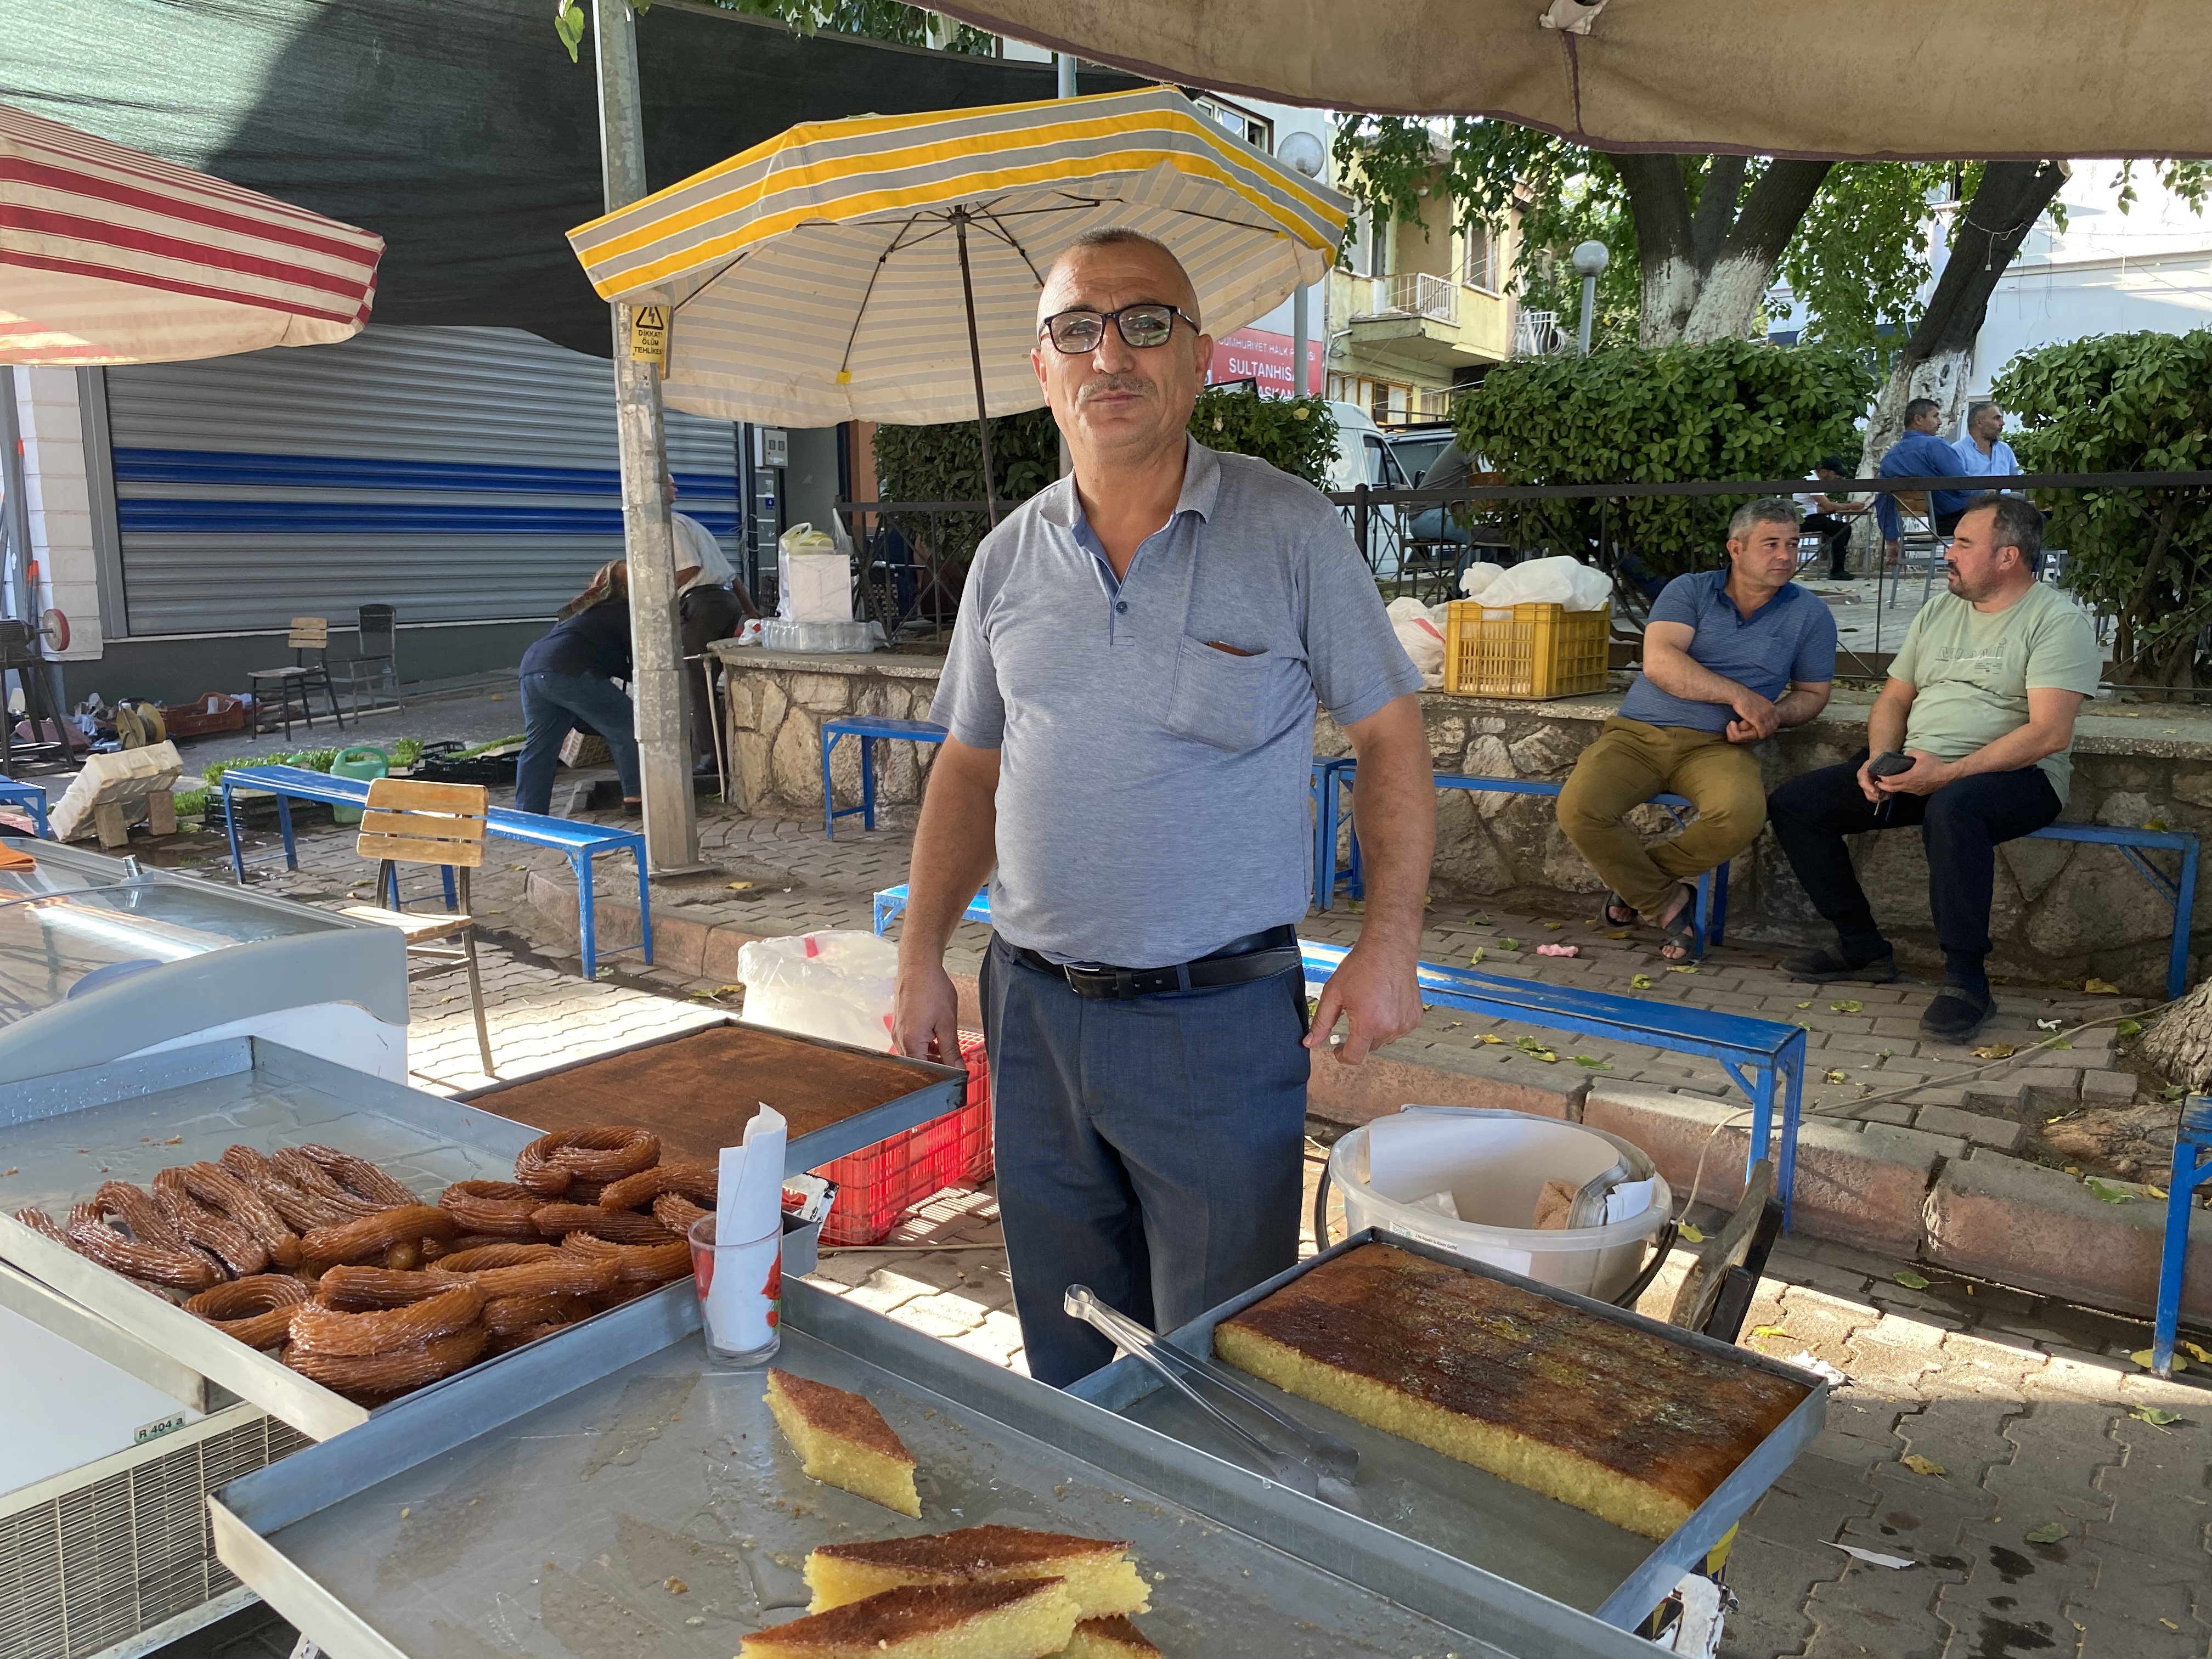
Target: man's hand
[
  {"x": 1868, "y": 785},
  {"x": 1738, "y": 732},
  {"x": 1376, "y": 988},
  {"x": 1928, "y": 775},
  {"x": 1755, "y": 713},
  {"x": 926, "y": 1013}
]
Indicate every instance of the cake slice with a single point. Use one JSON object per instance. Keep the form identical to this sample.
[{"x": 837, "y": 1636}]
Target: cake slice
[
  {"x": 1021, "y": 1618},
  {"x": 1099, "y": 1573},
  {"x": 1108, "y": 1638},
  {"x": 842, "y": 1440},
  {"x": 1587, "y": 1410}
]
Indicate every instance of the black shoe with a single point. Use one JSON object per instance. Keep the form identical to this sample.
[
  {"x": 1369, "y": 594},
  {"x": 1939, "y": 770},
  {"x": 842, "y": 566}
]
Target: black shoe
[
  {"x": 1822, "y": 966},
  {"x": 1957, "y": 1013}
]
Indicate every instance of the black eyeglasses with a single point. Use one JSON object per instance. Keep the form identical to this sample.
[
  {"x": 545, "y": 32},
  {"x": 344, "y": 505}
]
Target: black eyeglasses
[{"x": 1142, "y": 326}]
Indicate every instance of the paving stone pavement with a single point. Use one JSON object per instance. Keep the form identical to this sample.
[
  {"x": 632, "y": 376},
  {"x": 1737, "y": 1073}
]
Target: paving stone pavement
[{"x": 2021, "y": 1414}]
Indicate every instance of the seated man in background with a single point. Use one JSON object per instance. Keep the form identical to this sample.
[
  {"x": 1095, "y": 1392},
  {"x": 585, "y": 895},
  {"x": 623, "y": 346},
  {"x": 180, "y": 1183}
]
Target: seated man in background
[
  {"x": 1829, "y": 517},
  {"x": 1919, "y": 454},
  {"x": 1981, "y": 700},
  {"x": 1718, "y": 650},
  {"x": 1982, "y": 453}
]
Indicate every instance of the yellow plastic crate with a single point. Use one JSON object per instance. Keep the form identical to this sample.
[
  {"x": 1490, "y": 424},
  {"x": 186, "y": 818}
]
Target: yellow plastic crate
[{"x": 1524, "y": 650}]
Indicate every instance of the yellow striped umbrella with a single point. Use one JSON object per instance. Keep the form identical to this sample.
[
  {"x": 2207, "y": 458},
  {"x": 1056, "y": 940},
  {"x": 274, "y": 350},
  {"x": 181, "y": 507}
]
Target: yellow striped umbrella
[{"x": 838, "y": 272}]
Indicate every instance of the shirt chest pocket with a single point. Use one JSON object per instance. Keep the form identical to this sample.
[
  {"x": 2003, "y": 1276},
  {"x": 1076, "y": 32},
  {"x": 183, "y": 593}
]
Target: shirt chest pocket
[{"x": 1218, "y": 697}]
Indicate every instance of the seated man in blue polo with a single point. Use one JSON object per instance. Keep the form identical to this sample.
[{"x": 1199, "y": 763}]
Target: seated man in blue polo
[{"x": 1730, "y": 656}]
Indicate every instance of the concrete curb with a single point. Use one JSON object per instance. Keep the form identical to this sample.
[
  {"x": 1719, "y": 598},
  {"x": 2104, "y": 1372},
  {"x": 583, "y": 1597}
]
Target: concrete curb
[
  {"x": 1999, "y": 1218},
  {"x": 1901, "y": 1192}
]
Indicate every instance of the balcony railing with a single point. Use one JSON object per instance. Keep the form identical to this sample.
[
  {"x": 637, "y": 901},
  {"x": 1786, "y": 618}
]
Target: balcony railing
[
  {"x": 1409, "y": 294},
  {"x": 1537, "y": 334}
]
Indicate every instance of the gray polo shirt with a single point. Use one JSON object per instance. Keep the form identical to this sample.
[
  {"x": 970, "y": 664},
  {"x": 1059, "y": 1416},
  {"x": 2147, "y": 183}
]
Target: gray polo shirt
[
  {"x": 1788, "y": 641},
  {"x": 1152, "y": 788}
]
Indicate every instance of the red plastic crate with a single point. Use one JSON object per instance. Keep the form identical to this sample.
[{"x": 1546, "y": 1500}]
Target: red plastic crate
[{"x": 879, "y": 1184}]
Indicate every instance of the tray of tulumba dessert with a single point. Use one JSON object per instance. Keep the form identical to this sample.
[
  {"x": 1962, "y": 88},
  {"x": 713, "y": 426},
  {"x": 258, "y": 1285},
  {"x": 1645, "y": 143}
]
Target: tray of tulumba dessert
[
  {"x": 1581, "y": 1451},
  {"x": 876, "y": 1492}
]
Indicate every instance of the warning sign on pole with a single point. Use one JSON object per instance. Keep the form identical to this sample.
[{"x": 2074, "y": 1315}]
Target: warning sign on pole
[{"x": 648, "y": 335}]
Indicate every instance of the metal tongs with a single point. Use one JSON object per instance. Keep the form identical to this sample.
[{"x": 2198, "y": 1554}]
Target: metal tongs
[{"x": 1324, "y": 1466}]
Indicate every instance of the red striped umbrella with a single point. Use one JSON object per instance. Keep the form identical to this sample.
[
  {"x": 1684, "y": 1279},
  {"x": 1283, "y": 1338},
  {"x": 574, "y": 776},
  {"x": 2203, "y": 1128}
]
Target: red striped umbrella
[{"x": 110, "y": 256}]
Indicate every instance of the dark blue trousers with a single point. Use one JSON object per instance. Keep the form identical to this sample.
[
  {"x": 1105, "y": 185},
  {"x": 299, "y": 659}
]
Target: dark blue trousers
[{"x": 1152, "y": 1149}]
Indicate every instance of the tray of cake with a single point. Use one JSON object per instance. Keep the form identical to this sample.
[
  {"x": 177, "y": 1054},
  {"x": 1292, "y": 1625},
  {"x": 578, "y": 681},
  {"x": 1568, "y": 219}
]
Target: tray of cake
[
  {"x": 327, "y": 1244},
  {"x": 874, "y": 1491},
  {"x": 1506, "y": 1427},
  {"x": 698, "y": 1088}
]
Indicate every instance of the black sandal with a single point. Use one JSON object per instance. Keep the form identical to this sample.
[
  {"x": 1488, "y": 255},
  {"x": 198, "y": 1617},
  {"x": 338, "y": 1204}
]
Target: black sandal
[
  {"x": 1955, "y": 1013},
  {"x": 1680, "y": 930},
  {"x": 1614, "y": 902}
]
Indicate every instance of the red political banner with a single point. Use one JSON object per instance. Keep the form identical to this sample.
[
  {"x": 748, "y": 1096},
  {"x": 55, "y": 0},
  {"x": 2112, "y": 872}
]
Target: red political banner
[{"x": 1253, "y": 354}]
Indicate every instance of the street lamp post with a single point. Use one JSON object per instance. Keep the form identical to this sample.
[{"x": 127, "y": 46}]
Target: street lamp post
[{"x": 1590, "y": 261}]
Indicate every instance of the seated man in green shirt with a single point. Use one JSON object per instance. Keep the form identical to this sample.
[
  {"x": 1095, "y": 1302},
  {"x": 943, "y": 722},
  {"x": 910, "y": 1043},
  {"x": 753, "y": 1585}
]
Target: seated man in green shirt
[{"x": 1981, "y": 700}]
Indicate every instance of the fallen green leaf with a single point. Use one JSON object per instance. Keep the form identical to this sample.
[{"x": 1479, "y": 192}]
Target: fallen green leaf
[
  {"x": 1553, "y": 926},
  {"x": 2107, "y": 1191},
  {"x": 1910, "y": 1280},
  {"x": 2100, "y": 988},
  {"x": 1920, "y": 1465},
  {"x": 2141, "y": 1357},
  {"x": 1509, "y": 945},
  {"x": 1692, "y": 1234},
  {"x": 1623, "y": 933},
  {"x": 2157, "y": 1416},
  {"x": 2128, "y": 1028},
  {"x": 1837, "y": 1076},
  {"x": 1996, "y": 1051},
  {"x": 2202, "y": 1356},
  {"x": 1770, "y": 1330},
  {"x": 1682, "y": 967},
  {"x": 1850, "y": 1006},
  {"x": 1593, "y": 1064},
  {"x": 2063, "y": 1042},
  {"x": 1475, "y": 961},
  {"x": 1492, "y": 1037},
  {"x": 2050, "y": 1533},
  {"x": 1881, "y": 1054},
  {"x": 1641, "y": 983},
  {"x": 1804, "y": 1005}
]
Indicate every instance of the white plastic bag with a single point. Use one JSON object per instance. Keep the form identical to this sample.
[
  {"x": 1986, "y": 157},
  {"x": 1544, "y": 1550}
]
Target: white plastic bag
[
  {"x": 814, "y": 581},
  {"x": 837, "y": 985},
  {"x": 1560, "y": 581},
  {"x": 1423, "y": 640},
  {"x": 1475, "y": 581}
]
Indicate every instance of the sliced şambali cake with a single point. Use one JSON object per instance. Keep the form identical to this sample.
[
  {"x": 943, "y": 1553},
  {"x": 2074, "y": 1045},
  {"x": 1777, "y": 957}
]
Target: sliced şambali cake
[
  {"x": 1617, "y": 1421},
  {"x": 1108, "y": 1638},
  {"x": 1015, "y": 1619},
  {"x": 842, "y": 1440},
  {"x": 1097, "y": 1572}
]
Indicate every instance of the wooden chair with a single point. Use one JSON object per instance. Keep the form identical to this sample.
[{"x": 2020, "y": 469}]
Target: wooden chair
[
  {"x": 408, "y": 821},
  {"x": 310, "y": 636}
]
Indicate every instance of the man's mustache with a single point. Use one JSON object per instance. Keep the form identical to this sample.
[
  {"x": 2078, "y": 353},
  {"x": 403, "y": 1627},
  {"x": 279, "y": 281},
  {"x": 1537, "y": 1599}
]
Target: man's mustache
[{"x": 1106, "y": 383}]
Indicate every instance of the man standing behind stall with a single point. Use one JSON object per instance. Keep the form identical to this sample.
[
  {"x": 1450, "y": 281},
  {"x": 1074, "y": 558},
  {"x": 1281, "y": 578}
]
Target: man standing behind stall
[{"x": 1130, "y": 697}]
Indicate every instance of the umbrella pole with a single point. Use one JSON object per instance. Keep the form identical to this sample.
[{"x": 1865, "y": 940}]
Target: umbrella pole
[{"x": 975, "y": 362}]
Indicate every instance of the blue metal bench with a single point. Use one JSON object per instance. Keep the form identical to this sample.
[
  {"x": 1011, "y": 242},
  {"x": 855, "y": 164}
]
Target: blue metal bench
[
  {"x": 2192, "y": 1167},
  {"x": 1712, "y": 886},
  {"x": 867, "y": 728},
  {"x": 2180, "y": 892},
  {"x": 579, "y": 842},
  {"x": 1765, "y": 1058},
  {"x": 31, "y": 799}
]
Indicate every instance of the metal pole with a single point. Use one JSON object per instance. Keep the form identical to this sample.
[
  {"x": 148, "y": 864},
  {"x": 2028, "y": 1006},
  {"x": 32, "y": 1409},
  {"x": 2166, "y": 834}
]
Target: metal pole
[
  {"x": 671, "y": 831},
  {"x": 1301, "y": 386},
  {"x": 1589, "y": 305},
  {"x": 1067, "y": 67},
  {"x": 975, "y": 362}
]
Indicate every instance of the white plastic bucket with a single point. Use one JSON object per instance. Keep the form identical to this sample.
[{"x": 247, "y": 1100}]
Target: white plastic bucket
[{"x": 1495, "y": 1163}]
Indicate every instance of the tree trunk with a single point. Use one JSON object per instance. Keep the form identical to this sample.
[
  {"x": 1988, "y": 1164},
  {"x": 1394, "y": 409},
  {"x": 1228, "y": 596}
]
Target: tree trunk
[
  {"x": 1733, "y": 286},
  {"x": 1659, "y": 203},
  {"x": 2179, "y": 1042},
  {"x": 1936, "y": 360}
]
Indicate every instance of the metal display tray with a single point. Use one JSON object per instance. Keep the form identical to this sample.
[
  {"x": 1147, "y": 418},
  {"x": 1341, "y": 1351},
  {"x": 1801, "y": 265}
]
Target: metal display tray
[
  {"x": 1465, "y": 1515},
  {"x": 627, "y": 1497},
  {"x": 837, "y": 1098},
  {"x": 61, "y": 1136}
]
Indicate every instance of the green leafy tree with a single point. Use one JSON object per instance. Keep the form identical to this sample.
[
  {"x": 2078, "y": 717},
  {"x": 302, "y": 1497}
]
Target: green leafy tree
[
  {"x": 946, "y": 462},
  {"x": 879, "y": 20},
  {"x": 2122, "y": 403},
  {"x": 1732, "y": 409}
]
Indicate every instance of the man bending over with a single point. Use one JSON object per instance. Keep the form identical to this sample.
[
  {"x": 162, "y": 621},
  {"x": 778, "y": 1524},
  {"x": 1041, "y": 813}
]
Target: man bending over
[
  {"x": 1981, "y": 701},
  {"x": 1719, "y": 649}
]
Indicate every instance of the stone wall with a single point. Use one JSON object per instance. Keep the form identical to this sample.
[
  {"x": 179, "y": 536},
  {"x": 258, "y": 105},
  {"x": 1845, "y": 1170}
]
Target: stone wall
[
  {"x": 777, "y": 702},
  {"x": 2063, "y": 911}
]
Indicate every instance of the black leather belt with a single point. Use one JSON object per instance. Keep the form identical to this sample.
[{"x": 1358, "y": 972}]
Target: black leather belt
[{"x": 1255, "y": 955}]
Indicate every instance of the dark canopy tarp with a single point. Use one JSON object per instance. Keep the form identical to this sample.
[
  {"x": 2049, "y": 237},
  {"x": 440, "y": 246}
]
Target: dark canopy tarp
[{"x": 458, "y": 131}]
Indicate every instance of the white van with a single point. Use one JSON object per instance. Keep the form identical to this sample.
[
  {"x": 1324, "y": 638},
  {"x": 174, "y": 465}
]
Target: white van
[{"x": 1364, "y": 456}]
